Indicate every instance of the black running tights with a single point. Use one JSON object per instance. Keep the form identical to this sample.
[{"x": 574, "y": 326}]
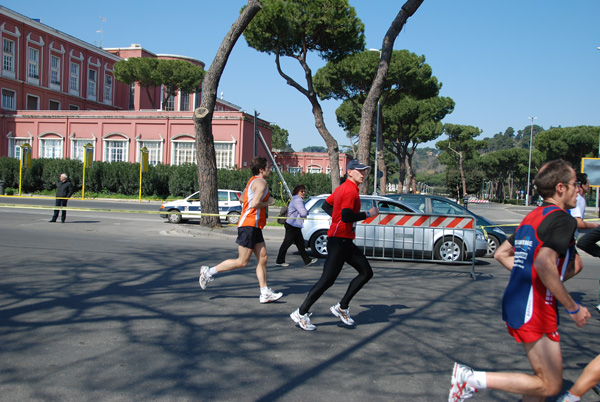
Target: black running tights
[{"x": 339, "y": 251}]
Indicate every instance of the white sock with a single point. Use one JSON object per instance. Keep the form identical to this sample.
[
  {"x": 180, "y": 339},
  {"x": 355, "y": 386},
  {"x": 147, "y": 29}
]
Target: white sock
[
  {"x": 478, "y": 380},
  {"x": 264, "y": 290},
  {"x": 212, "y": 271}
]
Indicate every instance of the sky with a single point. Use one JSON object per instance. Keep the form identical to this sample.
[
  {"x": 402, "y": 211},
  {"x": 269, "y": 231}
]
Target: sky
[{"x": 501, "y": 61}]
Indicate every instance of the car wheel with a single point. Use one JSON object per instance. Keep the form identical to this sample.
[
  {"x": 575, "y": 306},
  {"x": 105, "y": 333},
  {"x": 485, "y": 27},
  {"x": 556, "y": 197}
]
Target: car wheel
[
  {"x": 449, "y": 249},
  {"x": 493, "y": 244},
  {"x": 318, "y": 243},
  {"x": 174, "y": 218},
  {"x": 233, "y": 218}
]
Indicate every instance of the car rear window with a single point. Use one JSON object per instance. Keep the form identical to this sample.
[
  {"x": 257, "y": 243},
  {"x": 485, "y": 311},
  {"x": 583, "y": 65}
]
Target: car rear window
[
  {"x": 385, "y": 206},
  {"x": 317, "y": 207},
  {"x": 415, "y": 202}
]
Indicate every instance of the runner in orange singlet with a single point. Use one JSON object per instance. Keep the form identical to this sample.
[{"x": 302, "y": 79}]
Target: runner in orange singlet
[{"x": 255, "y": 200}]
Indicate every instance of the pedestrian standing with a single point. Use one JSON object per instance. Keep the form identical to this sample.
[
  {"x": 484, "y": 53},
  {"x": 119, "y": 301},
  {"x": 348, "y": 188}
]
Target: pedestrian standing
[
  {"x": 579, "y": 211},
  {"x": 589, "y": 243},
  {"x": 293, "y": 228},
  {"x": 344, "y": 208},
  {"x": 540, "y": 255},
  {"x": 255, "y": 201},
  {"x": 64, "y": 191},
  {"x": 590, "y": 377}
]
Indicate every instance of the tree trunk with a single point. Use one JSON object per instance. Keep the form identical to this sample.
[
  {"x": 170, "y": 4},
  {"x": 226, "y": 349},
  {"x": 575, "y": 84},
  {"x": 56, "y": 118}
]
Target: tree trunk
[
  {"x": 332, "y": 144},
  {"x": 380, "y": 159},
  {"x": 150, "y": 98},
  {"x": 370, "y": 104},
  {"x": 462, "y": 173},
  {"x": 311, "y": 95},
  {"x": 205, "y": 146},
  {"x": 410, "y": 175}
]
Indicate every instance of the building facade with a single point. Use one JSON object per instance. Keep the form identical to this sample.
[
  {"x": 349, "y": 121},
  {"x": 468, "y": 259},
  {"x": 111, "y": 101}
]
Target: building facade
[
  {"x": 59, "y": 93},
  {"x": 308, "y": 162},
  {"x": 169, "y": 137}
]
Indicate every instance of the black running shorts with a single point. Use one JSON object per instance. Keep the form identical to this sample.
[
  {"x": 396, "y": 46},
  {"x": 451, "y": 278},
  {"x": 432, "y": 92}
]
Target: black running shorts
[{"x": 249, "y": 236}]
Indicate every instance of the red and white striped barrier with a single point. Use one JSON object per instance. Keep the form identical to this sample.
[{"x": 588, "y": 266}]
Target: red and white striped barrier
[{"x": 433, "y": 221}]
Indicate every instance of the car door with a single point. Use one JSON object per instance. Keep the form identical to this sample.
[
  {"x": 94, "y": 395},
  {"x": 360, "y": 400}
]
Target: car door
[
  {"x": 191, "y": 206},
  {"x": 397, "y": 239},
  {"x": 224, "y": 200},
  {"x": 365, "y": 235},
  {"x": 446, "y": 207}
]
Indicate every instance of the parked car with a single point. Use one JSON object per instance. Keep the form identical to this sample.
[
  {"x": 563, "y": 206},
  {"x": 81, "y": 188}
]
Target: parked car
[
  {"x": 435, "y": 204},
  {"x": 393, "y": 240},
  {"x": 179, "y": 211}
]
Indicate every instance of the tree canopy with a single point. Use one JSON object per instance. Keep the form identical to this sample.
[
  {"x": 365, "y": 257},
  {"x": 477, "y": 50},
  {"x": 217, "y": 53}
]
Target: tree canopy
[
  {"x": 569, "y": 143},
  {"x": 296, "y": 28},
  {"x": 280, "y": 139},
  {"x": 410, "y": 109},
  {"x": 460, "y": 148},
  {"x": 149, "y": 72}
]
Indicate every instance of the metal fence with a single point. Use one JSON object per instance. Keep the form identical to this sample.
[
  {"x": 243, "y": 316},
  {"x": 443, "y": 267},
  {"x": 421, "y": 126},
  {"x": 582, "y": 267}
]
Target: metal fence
[{"x": 417, "y": 237}]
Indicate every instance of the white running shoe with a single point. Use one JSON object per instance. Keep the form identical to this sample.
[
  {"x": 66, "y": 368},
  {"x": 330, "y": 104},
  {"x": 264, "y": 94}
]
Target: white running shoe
[
  {"x": 204, "y": 277},
  {"x": 283, "y": 264},
  {"x": 568, "y": 397},
  {"x": 460, "y": 390},
  {"x": 269, "y": 296},
  {"x": 343, "y": 315},
  {"x": 302, "y": 320},
  {"x": 312, "y": 261}
]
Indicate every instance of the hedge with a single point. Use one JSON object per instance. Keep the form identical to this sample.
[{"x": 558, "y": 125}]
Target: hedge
[{"x": 161, "y": 181}]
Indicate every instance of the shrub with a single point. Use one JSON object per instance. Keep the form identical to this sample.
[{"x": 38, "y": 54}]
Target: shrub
[{"x": 124, "y": 178}]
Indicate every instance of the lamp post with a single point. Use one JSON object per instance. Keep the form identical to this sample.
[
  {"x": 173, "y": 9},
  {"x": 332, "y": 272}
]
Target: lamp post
[
  {"x": 375, "y": 176},
  {"x": 529, "y": 168},
  {"x": 256, "y": 114}
]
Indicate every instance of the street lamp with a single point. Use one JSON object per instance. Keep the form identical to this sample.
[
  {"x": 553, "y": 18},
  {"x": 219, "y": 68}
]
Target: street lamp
[
  {"x": 529, "y": 168},
  {"x": 375, "y": 177}
]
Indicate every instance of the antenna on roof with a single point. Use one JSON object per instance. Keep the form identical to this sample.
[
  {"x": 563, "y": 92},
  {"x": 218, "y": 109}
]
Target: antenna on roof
[{"x": 101, "y": 32}]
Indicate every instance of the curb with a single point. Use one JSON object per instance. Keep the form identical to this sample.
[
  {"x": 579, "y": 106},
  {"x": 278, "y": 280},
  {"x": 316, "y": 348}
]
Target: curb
[{"x": 226, "y": 232}]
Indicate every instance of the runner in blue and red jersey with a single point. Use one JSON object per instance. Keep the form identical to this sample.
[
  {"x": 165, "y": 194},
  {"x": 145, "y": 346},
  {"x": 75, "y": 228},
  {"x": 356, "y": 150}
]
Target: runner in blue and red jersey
[{"x": 540, "y": 255}]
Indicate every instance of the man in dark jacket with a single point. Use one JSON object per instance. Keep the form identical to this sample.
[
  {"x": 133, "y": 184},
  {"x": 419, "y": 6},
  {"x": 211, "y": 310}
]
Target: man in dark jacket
[{"x": 64, "y": 191}]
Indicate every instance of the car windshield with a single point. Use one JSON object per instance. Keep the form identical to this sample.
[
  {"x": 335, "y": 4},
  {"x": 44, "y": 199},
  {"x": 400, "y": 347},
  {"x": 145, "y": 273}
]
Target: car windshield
[{"x": 193, "y": 197}]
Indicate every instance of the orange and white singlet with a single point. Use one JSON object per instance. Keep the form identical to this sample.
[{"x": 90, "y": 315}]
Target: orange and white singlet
[{"x": 254, "y": 217}]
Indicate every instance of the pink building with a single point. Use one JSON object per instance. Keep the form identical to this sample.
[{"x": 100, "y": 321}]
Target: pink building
[
  {"x": 119, "y": 136},
  {"x": 58, "y": 94},
  {"x": 308, "y": 162}
]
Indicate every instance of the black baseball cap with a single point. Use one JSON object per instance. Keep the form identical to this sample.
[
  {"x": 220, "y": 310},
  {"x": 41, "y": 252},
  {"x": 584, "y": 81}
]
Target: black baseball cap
[{"x": 356, "y": 165}]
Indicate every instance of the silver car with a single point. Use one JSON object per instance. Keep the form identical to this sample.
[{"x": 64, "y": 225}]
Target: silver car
[{"x": 399, "y": 232}]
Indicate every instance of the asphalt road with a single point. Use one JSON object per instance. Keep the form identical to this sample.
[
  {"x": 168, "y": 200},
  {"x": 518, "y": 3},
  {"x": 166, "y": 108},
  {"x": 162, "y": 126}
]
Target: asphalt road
[{"x": 106, "y": 307}]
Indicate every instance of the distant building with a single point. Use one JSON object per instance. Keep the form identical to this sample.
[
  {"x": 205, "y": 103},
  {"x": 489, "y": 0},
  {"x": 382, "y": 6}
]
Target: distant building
[
  {"x": 308, "y": 162},
  {"x": 58, "y": 93}
]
